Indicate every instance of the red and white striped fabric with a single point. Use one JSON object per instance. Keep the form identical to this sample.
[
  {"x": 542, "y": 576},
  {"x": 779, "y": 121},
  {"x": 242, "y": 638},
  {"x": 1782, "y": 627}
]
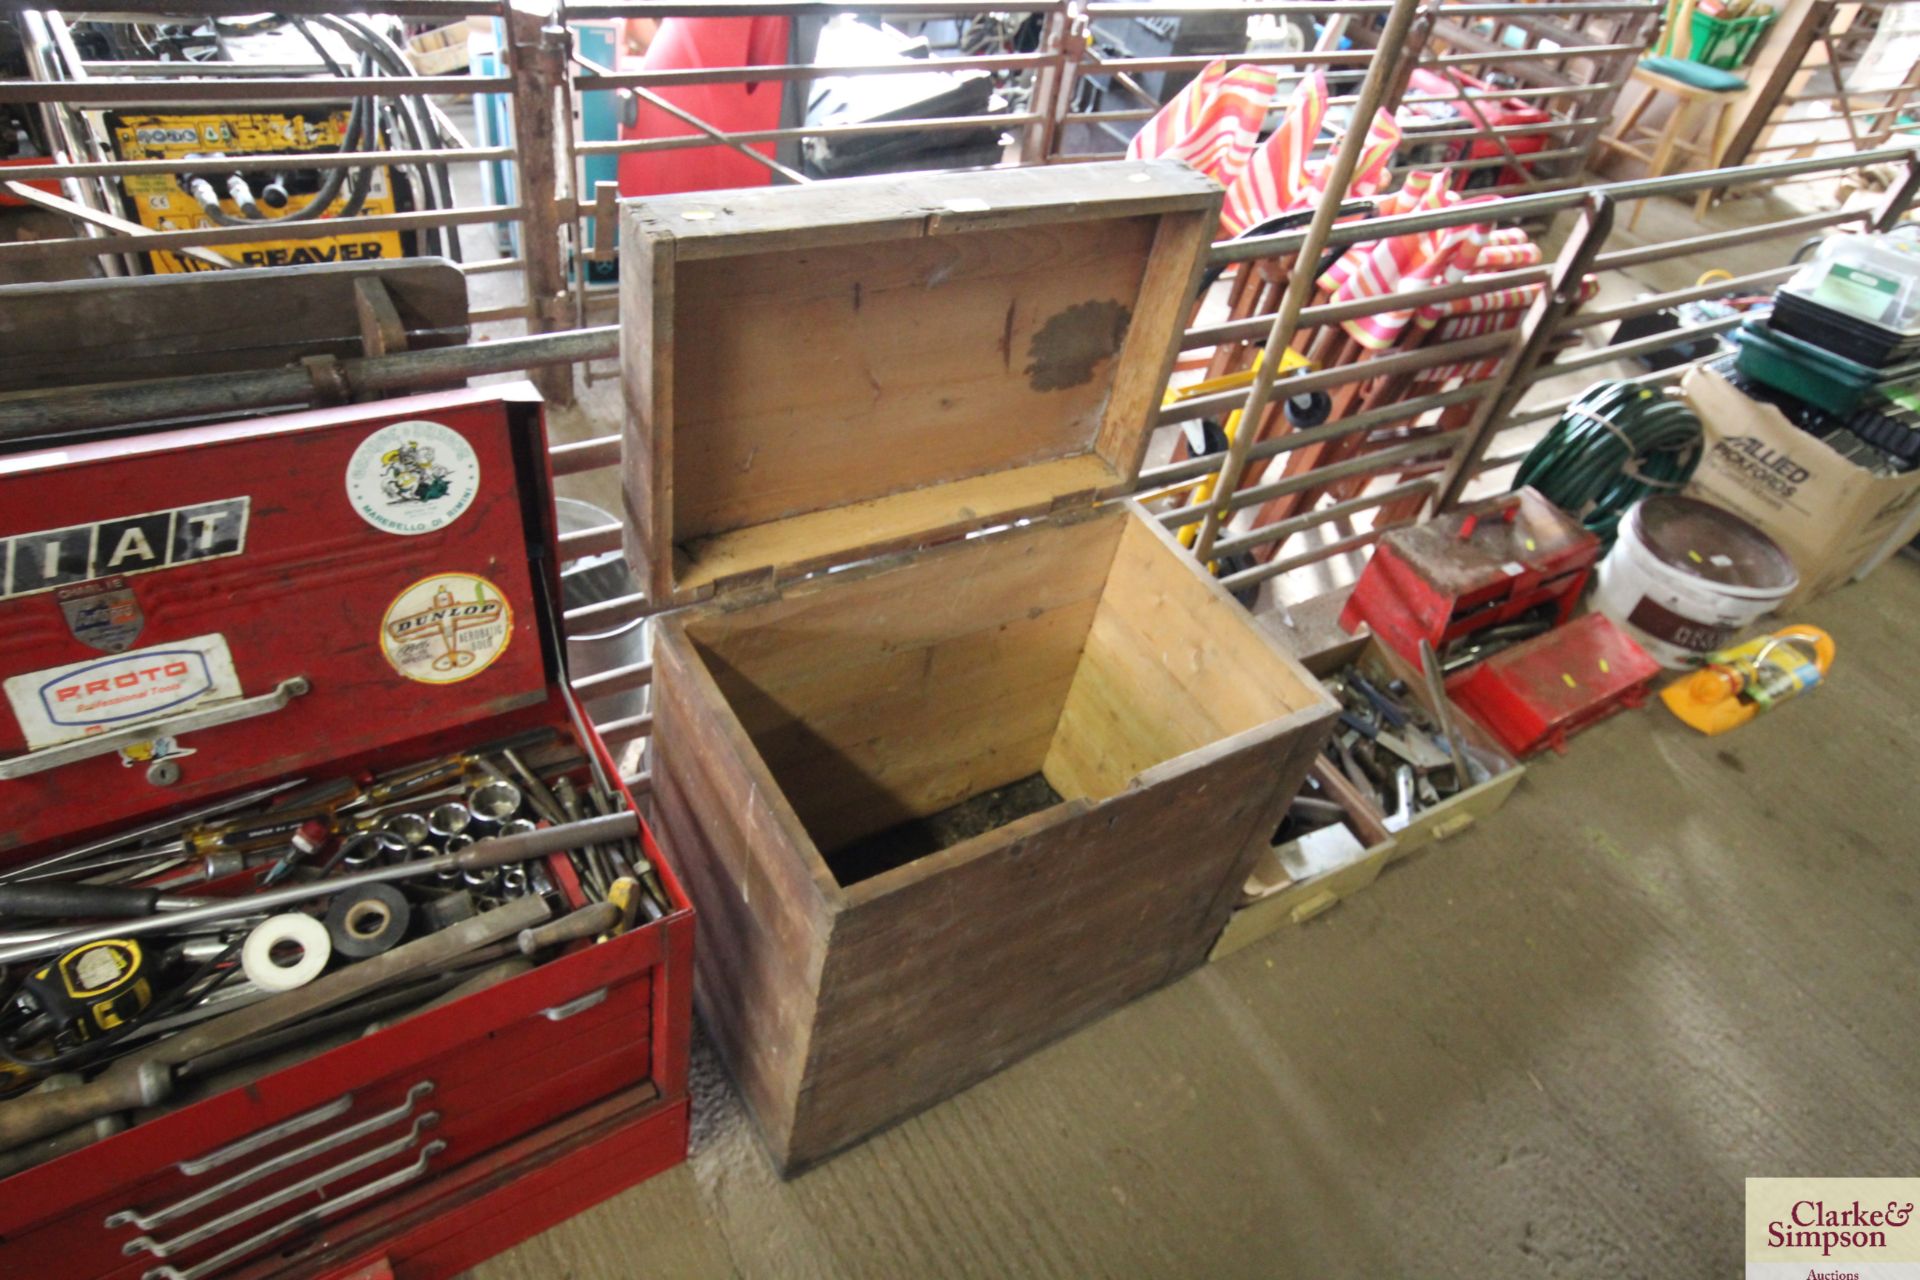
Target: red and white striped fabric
[
  {"x": 1276, "y": 178},
  {"x": 1213, "y": 123},
  {"x": 1280, "y": 177},
  {"x": 1376, "y": 153}
]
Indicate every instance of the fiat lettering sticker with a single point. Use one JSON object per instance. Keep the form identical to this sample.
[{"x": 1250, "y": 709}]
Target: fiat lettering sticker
[
  {"x": 55, "y": 558},
  {"x": 62, "y": 704},
  {"x": 446, "y": 628},
  {"x": 413, "y": 477}
]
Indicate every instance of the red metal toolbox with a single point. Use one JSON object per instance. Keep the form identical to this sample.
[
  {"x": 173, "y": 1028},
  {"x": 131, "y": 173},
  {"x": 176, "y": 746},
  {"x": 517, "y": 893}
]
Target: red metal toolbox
[
  {"x": 1513, "y": 559},
  {"x": 190, "y": 614},
  {"x": 1541, "y": 691}
]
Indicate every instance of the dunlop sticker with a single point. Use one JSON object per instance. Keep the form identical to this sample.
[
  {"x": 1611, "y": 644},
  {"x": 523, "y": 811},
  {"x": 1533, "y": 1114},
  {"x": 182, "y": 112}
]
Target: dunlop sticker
[
  {"x": 413, "y": 477},
  {"x": 446, "y": 628},
  {"x": 62, "y": 704}
]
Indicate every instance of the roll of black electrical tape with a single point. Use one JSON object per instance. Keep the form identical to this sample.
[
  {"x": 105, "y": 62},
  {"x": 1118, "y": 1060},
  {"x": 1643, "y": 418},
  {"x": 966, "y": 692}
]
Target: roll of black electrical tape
[{"x": 368, "y": 921}]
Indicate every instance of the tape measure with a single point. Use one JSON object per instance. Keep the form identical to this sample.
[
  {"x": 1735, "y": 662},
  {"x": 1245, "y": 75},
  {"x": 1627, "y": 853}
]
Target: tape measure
[{"x": 94, "y": 990}]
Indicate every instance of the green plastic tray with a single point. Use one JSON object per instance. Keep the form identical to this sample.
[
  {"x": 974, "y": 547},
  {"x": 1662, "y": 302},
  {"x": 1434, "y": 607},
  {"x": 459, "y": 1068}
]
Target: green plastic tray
[{"x": 1800, "y": 369}]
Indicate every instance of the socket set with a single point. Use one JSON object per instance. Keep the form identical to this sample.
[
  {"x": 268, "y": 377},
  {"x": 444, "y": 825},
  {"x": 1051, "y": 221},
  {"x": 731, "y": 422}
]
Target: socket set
[{"x": 330, "y": 932}]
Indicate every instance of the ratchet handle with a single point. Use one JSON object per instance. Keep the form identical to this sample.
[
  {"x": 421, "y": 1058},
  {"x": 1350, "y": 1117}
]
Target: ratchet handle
[{"x": 75, "y": 901}]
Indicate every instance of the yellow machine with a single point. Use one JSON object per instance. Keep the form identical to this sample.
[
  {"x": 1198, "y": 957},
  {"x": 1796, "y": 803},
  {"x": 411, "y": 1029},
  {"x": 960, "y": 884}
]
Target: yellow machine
[
  {"x": 1737, "y": 684},
  {"x": 164, "y": 202}
]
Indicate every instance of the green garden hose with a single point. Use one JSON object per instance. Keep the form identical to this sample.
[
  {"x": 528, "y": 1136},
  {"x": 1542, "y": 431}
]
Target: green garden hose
[{"x": 1616, "y": 444}]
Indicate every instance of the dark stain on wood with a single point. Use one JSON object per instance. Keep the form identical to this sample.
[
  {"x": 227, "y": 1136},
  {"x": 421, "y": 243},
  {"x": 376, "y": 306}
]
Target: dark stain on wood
[{"x": 1073, "y": 343}]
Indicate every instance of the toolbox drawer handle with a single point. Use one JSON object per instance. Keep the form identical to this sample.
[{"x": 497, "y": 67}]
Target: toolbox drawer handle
[
  {"x": 319, "y": 1213},
  {"x": 22, "y": 766},
  {"x": 286, "y": 1160},
  {"x": 579, "y": 1004},
  {"x": 286, "y": 1195},
  {"x": 266, "y": 1137}
]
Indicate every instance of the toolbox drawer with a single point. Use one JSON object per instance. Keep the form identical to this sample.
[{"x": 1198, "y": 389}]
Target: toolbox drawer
[{"x": 432, "y": 1092}]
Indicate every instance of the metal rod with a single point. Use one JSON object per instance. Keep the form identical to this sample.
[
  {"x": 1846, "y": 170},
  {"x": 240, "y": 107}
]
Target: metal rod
[
  {"x": 28, "y": 417},
  {"x": 227, "y": 164},
  {"x": 95, "y": 93},
  {"x": 1324, "y": 515},
  {"x": 597, "y": 81},
  {"x": 1273, "y": 569},
  {"x": 683, "y": 141}
]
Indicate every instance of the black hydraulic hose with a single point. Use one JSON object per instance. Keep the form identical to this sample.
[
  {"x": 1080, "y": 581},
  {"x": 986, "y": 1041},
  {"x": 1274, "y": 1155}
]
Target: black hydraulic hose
[
  {"x": 357, "y": 124},
  {"x": 435, "y": 180}
]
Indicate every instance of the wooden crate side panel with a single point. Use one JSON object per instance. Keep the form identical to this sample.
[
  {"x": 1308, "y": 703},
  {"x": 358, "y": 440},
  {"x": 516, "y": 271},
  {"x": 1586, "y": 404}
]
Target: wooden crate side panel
[
  {"x": 1179, "y": 256},
  {"x": 818, "y": 377},
  {"x": 937, "y": 726},
  {"x": 1172, "y": 664},
  {"x": 1011, "y": 940},
  {"x": 879, "y": 698},
  {"x": 762, "y": 922},
  {"x": 646, "y": 387}
]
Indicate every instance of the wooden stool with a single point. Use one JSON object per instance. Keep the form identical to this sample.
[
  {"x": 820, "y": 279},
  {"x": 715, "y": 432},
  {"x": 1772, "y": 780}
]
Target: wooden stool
[{"x": 1680, "y": 134}]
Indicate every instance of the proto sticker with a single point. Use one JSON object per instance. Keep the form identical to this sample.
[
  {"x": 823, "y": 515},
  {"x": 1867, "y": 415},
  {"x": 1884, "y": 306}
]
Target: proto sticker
[
  {"x": 446, "y": 628},
  {"x": 62, "y": 704},
  {"x": 413, "y": 477}
]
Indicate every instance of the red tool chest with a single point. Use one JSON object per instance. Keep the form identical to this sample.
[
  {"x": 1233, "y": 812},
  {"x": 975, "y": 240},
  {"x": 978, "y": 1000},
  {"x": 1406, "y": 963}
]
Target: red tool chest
[
  {"x": 188, "y": 614},
  {"x": 1541, "y": 691},
  {"x": 1504, "y": 560}
]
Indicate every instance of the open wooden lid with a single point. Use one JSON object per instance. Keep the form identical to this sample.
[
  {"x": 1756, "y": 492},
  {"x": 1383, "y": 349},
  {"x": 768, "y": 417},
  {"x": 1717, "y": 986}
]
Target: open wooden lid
[{"x": 819, "y": 374}]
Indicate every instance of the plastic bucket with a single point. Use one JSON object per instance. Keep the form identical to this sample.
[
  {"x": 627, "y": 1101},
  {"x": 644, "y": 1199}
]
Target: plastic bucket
[{"x": 1685, "y": 578}]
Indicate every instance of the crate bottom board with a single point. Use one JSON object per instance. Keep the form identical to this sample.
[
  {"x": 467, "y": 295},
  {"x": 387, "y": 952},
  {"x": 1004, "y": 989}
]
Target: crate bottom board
[{"x": 489, "y": 1205}]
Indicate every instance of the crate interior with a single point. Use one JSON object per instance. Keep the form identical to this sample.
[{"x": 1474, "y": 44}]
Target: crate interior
[
  {"x": 1074, "y": 656},
  {"x": 839, "y": 395}
]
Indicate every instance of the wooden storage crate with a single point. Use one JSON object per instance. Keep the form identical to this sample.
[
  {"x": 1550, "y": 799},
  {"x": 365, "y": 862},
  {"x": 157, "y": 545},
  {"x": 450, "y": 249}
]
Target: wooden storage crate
[{"x": 822, "y": 376}]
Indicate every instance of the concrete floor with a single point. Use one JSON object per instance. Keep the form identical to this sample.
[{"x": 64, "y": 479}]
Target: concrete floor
[{"x": 1553, "y": 1046}]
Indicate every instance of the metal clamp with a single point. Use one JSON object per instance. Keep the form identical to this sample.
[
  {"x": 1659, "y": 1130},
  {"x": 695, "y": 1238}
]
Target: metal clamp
[
  {"x": 319, "y": 1213},
  {"x": 100, "y": 744},
  {"x": 313, "y": 1183},
  {"x": 286, "y": 1160}
]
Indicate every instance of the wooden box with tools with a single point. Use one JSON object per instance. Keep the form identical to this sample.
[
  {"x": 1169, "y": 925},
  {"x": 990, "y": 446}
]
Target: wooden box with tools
[
  {"x": 1433, "y": 817},
  {"x": 390, "y": 975},
  {"x": 960, "y": 794},
  {"x": 1333, "y": 845}
]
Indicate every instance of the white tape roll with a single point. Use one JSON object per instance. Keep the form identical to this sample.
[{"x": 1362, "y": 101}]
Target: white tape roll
[{"x": 256, "y": 957}]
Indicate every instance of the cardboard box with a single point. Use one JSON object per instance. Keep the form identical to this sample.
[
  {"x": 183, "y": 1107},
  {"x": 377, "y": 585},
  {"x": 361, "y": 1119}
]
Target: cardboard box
[{"x": 1831, "y": 516}]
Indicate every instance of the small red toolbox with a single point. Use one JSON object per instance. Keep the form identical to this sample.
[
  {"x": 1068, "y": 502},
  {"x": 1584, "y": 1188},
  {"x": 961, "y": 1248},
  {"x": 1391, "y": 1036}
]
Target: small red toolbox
[
  {"x": 1513, "y": 559},
  {"x": 188, "y": 615},
  {"x": 1542, "y": 691}
]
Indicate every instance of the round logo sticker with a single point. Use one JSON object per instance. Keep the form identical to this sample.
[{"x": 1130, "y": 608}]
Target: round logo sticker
[
  {"x": 446, "y": 628},
  {"x": 413, "y": 477}
]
